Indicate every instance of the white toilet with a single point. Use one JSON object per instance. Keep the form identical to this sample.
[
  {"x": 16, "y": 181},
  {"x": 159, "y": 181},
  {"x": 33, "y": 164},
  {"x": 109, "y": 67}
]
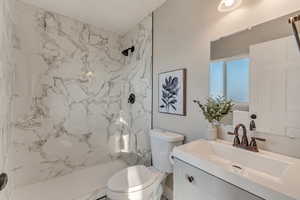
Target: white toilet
[{"x": 145, "y": 183}]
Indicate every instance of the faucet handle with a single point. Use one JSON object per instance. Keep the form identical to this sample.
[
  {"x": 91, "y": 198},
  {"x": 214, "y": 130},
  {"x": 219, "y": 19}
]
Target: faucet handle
[
  {"x": 253, "y": 144},
  {"x": 253, "y": 141},
  {"x": 260, "y": 139},
  {"x": 231, "y": 133}
]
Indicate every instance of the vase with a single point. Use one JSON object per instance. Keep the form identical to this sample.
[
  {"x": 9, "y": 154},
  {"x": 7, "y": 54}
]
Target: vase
[{"x": 212, "y": 131}]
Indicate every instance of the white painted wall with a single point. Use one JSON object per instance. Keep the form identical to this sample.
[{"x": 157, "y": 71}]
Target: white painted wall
[
  {"x": 112, "y": 15},
  {"x": 182, "y": 34}
]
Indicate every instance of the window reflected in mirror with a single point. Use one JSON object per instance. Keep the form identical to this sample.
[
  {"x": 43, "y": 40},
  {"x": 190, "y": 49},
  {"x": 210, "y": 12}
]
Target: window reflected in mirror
[{"x": 230, "y": 78}]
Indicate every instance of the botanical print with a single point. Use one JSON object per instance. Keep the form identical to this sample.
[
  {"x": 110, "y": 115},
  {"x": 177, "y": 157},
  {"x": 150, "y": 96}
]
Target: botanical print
[{"x": 172, "y": 92}]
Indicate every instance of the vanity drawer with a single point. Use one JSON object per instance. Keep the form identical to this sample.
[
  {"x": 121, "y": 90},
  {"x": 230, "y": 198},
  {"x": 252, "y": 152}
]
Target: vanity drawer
[{"x": 191, "y": 183}]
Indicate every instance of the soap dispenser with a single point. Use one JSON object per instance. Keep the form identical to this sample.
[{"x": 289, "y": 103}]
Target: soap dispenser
[
  {"x": 252, "y": 123},
  {"x": 252, "y": 130}
]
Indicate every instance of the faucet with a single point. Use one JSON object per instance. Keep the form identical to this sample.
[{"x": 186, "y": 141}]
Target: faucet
[
  {"x": 244, "y": 144},
  {"x": 237, "y": 141}
]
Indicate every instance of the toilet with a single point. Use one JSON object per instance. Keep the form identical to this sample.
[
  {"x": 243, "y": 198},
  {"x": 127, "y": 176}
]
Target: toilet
[{"x": 145, "y": 183}]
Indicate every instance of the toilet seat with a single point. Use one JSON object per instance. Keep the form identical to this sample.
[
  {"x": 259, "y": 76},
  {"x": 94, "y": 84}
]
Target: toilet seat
[{"x": 132, "y": 179}]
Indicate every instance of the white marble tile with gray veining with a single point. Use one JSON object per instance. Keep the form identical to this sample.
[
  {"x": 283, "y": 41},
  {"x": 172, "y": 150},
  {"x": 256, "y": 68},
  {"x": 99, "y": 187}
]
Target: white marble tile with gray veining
[
  {"x": 7, "y": 65},
  {"x": 71, "y": 96}
]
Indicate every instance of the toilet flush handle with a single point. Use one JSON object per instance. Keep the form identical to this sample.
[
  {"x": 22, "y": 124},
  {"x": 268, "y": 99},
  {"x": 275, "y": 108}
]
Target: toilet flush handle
[{"x": 171, "y": 158}]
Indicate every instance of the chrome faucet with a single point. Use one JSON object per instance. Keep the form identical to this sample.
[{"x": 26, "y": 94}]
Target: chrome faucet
[
  {"x": 244, "y": 144},
  {"x": 245, "y": 141}
]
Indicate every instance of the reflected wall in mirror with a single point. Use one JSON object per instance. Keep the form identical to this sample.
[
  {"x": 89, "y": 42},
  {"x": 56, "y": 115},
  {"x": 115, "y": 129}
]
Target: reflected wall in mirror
[{"x": 260, "y": 68}]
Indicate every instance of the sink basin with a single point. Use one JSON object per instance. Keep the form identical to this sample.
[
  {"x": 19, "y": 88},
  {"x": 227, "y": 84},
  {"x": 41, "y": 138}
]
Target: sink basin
[
  {"x": 248, "y": 162},
  {"x": 265, "y": 174}
]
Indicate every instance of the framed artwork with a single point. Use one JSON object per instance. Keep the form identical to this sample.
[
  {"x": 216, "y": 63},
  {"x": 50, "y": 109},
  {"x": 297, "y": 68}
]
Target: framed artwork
[{"x": 172, "y": 92}]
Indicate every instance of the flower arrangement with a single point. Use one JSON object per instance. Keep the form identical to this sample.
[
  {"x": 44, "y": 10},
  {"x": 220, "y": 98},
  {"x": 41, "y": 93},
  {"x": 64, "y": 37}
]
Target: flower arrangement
[{"x": 215, "y": 109}]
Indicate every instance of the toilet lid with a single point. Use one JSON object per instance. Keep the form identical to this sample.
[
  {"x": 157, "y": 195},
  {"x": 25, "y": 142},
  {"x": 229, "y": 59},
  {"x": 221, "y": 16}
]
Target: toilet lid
[{"x": 132, "y": 179}]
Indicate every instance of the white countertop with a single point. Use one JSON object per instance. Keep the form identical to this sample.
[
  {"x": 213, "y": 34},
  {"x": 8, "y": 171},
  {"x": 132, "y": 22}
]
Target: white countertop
[{"x": 268, "y": 175}]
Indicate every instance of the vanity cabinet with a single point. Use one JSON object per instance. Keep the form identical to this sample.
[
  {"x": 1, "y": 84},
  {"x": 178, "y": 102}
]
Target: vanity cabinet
[{"x": 191, "y": 183}]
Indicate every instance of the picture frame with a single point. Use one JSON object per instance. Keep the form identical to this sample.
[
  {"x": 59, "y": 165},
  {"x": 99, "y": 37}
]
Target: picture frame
[{"x": 172, "y": 92}]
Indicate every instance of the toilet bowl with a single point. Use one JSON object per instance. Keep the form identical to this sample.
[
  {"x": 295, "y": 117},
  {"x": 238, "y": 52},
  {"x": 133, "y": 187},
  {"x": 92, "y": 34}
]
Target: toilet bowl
[
  {"x": 141, "y": 182},
  {"x": 136, "y": 183}
]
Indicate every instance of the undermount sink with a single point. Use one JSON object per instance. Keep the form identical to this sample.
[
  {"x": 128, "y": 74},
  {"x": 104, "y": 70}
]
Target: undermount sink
[
  {"x": 265, "y": 174},
  {"x": 247, "y": 163}
]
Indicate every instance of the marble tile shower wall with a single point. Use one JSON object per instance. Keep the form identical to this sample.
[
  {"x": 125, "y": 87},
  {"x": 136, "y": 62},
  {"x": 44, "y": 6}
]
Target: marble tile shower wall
[
  {"x": 7, "y": 64},
  {"x": 71, "y": 95}
]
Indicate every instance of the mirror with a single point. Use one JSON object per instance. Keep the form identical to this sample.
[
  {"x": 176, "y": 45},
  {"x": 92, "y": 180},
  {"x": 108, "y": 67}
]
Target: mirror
[{"x": 259, "y": 69}]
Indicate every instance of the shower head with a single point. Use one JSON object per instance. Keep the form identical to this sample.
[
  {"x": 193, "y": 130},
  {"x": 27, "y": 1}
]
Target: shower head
[{"x": 126, "y": 51}]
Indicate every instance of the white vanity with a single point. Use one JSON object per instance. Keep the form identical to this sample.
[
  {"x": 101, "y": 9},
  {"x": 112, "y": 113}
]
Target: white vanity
[{"x": 215, "y": 170}]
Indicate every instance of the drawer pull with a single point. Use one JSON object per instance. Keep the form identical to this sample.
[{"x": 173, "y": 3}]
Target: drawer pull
[{"x": 190, "y": 178}]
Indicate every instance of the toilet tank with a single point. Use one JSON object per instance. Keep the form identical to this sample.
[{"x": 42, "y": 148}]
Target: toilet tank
[{"x": 162, "y": 144}]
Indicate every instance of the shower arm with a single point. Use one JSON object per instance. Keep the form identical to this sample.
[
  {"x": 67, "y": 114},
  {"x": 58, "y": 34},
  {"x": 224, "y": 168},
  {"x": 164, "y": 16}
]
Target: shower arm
[{"x": 293, "y": 21}]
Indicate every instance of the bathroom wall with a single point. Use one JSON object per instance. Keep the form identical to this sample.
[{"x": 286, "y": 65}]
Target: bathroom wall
[
  {"x": 72, "y": 86},
  {"x": 183, "y": 31},
  {"x": 7, "y": 42}
]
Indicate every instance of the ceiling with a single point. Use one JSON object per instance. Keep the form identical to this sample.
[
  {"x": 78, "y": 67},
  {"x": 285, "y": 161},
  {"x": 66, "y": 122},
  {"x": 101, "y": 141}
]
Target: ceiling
[{"x": 112, "y": 15}]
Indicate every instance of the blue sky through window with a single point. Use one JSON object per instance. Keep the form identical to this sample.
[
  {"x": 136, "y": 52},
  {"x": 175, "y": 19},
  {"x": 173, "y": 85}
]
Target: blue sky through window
[
  {"x": 217, "y": 79},
  {"x": 230, "y": 79}
]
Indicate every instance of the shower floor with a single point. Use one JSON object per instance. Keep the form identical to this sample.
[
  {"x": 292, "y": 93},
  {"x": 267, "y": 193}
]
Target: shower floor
[{"x": 86, "y": 184}]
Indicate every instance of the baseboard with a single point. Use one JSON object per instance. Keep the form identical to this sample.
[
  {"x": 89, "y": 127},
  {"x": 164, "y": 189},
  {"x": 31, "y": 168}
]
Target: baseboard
[{"x": 168, "y": 193}]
